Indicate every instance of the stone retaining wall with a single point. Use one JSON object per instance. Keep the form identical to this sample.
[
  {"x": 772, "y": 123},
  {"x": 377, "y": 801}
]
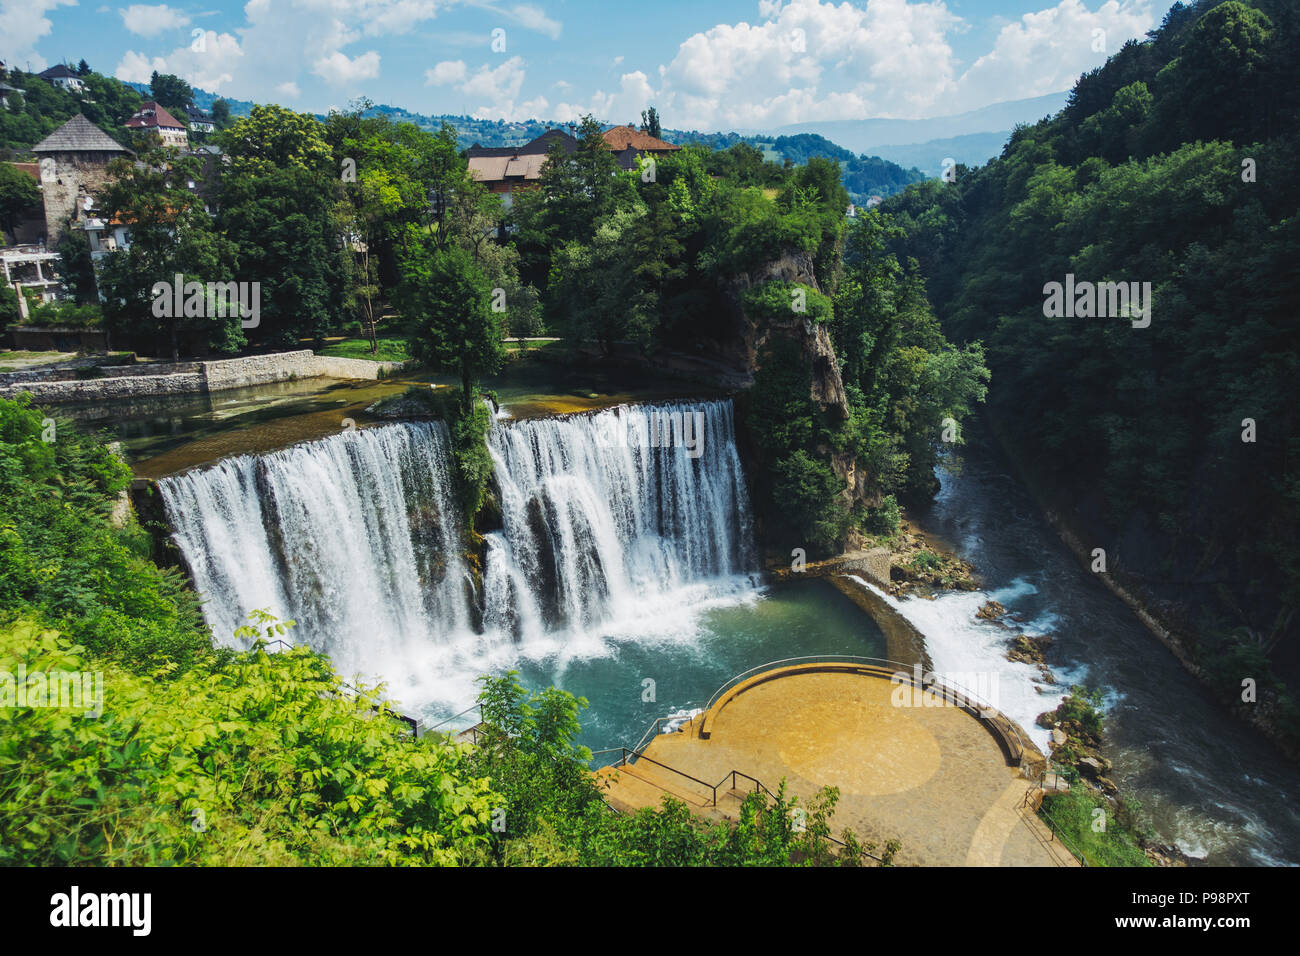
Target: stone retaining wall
[{"x": 200, "y": 377}]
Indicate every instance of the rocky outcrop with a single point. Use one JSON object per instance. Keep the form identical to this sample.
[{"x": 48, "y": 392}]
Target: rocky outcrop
[{"x": 812, "y": 338}]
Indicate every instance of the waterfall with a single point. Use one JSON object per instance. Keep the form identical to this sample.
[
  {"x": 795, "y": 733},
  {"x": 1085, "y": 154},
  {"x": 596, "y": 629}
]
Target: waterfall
[
  {"x": 605, "y": 518},
  {"x": 601, "y": 521}
]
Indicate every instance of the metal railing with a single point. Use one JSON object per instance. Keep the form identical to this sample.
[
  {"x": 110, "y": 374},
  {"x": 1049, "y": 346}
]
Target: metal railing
[{"x": 1052, "y": 835}]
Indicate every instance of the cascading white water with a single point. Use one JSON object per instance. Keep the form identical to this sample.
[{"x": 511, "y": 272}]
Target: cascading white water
[
  {"x": 599, "y": 522},
  {"x": 356, "y": 538}
]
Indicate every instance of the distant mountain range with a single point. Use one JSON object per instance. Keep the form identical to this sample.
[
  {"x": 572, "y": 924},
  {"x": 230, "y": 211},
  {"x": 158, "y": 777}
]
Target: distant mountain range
[{"x": 867, "y": 135}]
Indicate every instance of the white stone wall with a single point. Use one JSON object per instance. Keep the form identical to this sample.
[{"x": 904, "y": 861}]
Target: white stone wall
[{"x": 200, "y": 377}]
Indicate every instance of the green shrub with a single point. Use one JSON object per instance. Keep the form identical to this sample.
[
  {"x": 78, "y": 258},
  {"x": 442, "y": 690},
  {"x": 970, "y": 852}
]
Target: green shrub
[{"x": 884, "y": 518}]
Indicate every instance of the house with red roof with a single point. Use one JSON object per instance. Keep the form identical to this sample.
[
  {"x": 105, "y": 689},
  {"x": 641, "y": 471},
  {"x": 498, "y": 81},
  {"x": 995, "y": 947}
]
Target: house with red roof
[
  {"x": 627, "y": 143},
  {"x": 151, "y": 117}
]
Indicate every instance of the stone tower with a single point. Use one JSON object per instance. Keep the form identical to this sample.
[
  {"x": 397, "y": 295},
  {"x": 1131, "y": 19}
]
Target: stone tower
[{"x": 74, "y": 164}]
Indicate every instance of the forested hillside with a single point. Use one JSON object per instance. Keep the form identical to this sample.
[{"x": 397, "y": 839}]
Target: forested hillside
[{"x": 1173, "y": 445}]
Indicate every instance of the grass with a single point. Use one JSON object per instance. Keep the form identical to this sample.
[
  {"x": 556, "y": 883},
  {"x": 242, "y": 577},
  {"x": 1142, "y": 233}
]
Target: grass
[
  {"x": 1073, "y": 816},
  {"x": 391, "y": 349}
]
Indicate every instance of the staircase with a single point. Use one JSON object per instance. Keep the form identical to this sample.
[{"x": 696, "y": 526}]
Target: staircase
[{"x": 630, "y": 787}]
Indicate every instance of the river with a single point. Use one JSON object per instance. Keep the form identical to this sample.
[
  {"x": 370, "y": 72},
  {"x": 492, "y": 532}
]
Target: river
[{"x": 1209, "y": 784}]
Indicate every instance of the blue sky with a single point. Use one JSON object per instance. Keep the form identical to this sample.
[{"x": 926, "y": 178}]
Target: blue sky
[{"x": 705, "y": 65}]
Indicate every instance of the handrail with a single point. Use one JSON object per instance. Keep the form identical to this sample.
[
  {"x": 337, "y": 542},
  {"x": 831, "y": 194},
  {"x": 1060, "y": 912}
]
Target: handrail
[
  {"x": 457, "y": 716},
  {"x": 651, "y": 731}
]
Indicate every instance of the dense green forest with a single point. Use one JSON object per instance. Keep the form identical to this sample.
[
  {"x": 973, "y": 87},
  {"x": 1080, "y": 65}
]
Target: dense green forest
[{"x": 1174, "y": 445}]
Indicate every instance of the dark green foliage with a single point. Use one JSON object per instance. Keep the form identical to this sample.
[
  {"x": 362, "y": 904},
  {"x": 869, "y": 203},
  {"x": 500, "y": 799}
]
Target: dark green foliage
[
  {"x": 281, "y": 223},
  {"x": 171, "y": 92},
  {"x": 1147, "y": 176},
  {"x": 19, "y": 197},
  {"x": 453, "y": 324},
  {"x": 66, "y": 563}
]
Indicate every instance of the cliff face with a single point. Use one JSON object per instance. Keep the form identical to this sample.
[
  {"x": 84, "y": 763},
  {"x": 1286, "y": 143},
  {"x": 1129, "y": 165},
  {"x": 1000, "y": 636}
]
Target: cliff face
[
  {"x": 742, "y": 355},
  {"x": 751, "y": 335}
]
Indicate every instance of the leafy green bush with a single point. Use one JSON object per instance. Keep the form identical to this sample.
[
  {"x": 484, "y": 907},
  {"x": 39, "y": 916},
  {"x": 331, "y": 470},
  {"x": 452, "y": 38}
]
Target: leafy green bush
[
  {"x": 62, "y": 312},
  {"x": 1092, "y": 829},
  {"x": 884, "y": 518},
  {"x": 245, "y": 760},
  {"x": 66, "y": 562},
  {"x": 778, "y": 300}
]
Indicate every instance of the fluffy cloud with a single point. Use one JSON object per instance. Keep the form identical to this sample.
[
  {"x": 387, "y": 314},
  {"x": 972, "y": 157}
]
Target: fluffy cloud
[
  {"x": 137, "y": 68},
  {"x": 22, "y": 24},
  {"x": 813, "y": 60},
  {"x": 532, "y": 18},
  {"x": 1044, "y": 52},
  {"x": 448, "y": 71},
  {"x": 210, "y": 62},
  {"x": 289, "y": 90},
  {"x": 145, "y": 20},
  {"x": 809, "y": 60},
  {"x": 621, "y": 106},
  {"x": 495, "y": 89},
  {"x": 340, "y": 70}
]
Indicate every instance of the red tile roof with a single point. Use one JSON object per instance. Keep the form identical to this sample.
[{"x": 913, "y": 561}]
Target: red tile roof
[
  {"x": 621, "y": 137},
  {"x": 150, "y": 116}
]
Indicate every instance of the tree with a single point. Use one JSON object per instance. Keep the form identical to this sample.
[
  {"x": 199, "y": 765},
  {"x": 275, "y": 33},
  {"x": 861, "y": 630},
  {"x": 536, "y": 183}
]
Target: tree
[
  {"x": 18, "y": 194},
  {"x": 170, "y": 235},
  {"x": 272, "y": 137},
  {"x": 284, "y": 224},
  {"x": 83, "y": 68},
  {"x": 446, "y": 297},
  {"x": 650, "y": 122},
  {"x": 170, "y": 91},
  {"x": 221, "y": 113}
]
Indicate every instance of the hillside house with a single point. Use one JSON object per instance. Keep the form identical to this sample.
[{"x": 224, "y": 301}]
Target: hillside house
[
  {"x": 200, "y": 122},
  {"x": 152, "y": 118},
  {"x": 503, "y": 169},
  {"x": 64, "y": 78},
  {"x": 628, "y": 143}
]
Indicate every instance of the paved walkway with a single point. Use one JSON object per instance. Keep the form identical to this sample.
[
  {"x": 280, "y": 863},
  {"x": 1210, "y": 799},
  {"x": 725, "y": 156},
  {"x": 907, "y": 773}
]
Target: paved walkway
[{"x": 933, "y": 777}]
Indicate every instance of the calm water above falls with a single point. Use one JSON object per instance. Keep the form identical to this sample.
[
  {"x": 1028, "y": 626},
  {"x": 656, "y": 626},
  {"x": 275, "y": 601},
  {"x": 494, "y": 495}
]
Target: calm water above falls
[{"x": 1211, "y": 785}]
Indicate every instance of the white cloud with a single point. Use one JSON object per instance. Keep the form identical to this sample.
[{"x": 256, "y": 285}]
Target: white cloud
[
  {"x": 495, "y": 89},
  {"x": 448, "y": 71},
  {"x": 1044, "y": 52},
  {"x": 289, "y": 89},
  {"x": 137, "y": 68},
  {"x": 145, "y": 20},
  {"x": 340, "y": 70},
  {"x": 810, "y": 60},
  {"x": 633, "y": 95},
  {"x": 211, "y": 68},
  {"x": 533, "y": 18},
  {"x": 22, "y": 24}
]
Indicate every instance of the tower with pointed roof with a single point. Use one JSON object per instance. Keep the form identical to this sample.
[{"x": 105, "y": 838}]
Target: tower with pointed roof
[{"x": 74, "y": 166}]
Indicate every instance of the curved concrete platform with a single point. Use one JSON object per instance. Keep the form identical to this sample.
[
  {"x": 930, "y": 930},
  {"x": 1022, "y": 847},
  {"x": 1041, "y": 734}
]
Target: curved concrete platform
[{"x": 936, "y": 777}]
